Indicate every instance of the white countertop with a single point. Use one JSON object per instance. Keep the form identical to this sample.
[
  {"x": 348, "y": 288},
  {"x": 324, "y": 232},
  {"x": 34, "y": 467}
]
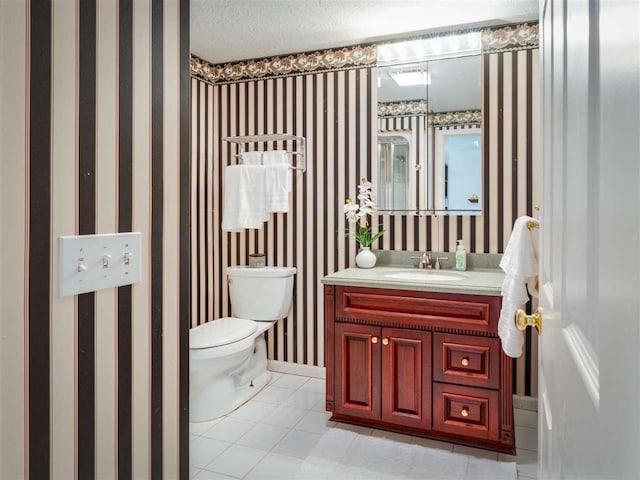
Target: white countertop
[{"x": 474, "y": 282}]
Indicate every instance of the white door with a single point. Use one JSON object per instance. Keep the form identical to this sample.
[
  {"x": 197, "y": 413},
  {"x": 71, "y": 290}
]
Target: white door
[{"x": 589, "y": 356}]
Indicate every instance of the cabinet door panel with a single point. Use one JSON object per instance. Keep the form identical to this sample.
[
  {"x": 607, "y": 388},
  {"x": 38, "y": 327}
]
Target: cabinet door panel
[
  {"x": 357, "y": 370},
  {"x": 406, "y": 377}
]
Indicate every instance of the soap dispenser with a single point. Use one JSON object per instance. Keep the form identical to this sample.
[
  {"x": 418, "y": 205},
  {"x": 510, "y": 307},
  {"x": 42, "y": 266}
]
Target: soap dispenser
[{"x": 461, "y": 257}]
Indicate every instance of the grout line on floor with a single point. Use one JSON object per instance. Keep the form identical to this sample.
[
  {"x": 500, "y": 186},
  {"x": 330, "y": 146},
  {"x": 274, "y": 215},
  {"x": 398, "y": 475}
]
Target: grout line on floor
[{"x": 308, "y": 409}]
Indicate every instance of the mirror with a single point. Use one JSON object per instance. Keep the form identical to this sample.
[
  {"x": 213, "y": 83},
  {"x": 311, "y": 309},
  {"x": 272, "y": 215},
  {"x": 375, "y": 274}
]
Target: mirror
[
  {"x": 429, "y": 137},
  {"x": 455, "y": 101},
  {"x": 402, "y": 114}
]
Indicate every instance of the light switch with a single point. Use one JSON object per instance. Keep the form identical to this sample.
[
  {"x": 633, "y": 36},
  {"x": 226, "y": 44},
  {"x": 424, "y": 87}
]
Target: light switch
[{"x": 94, "y": 262}]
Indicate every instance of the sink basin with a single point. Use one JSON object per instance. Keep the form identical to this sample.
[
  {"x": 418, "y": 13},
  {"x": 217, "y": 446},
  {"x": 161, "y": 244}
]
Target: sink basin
[{"x": 424, "y": 276}]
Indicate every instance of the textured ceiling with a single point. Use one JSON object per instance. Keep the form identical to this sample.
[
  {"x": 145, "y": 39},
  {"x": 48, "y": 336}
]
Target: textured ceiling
[{"x": 230, "y": 30}]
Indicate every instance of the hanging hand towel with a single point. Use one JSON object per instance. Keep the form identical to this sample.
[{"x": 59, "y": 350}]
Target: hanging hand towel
[
  {"x": 520, "y": 264},
  {"x": 274, "y": 157},
  {"x": 252, "y": 158},
  {"x": 278, "y": 180},
  {"x": 277, "y": 190},
  {"x": 244, "y": 197}
]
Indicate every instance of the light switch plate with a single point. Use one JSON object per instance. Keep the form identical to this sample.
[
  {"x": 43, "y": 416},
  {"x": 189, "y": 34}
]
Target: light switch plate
[{"x": 93, "y": 262}]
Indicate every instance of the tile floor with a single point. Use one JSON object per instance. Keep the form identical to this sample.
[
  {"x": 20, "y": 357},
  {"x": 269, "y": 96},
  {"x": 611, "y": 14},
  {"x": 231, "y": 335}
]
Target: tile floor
[{"x": 284, "y": 433}]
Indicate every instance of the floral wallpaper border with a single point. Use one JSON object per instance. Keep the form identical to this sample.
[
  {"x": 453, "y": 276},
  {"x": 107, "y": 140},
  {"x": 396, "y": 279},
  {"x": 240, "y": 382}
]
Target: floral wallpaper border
[
  {"x": 439, "y": 119},
  {"x": 510, "y": 37},
  {"x": 327, "y": 60},
  {"x": 468, "y": 117},
  {"x": 394, "y": 109}
]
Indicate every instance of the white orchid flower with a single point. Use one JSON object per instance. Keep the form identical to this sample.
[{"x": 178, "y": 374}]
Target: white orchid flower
[
  {"x": 364, "y": 183},
  {"x": 366, "y": 200},
  {"x": 351, "y": 211},
  {"x": 358, "y": 213},
  {"x": 366, "y": 210},
  {"x": 352, "y": 217}
]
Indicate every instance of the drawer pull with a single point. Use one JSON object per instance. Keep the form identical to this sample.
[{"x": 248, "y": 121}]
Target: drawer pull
[
  {"x": 374, "y": 339},
  {"x": 385, "y": 341},
  {"x": 465, "y": 362},
  {"x": 465, "y": 412}
]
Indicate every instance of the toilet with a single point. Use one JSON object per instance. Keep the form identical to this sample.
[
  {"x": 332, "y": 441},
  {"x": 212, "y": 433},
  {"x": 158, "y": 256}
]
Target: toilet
[{"x": 228, "y": 356}]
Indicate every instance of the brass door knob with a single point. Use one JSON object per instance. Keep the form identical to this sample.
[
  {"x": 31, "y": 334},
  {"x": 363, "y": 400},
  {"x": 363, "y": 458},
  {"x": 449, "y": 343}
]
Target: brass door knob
[
  {"x": 385, "y": 341},
  {"x": 374, "y": 339},
  {"x": 465, "y": 412},
  {"x": 523, "y": 320},
  {"x": 465, "y": 362}
]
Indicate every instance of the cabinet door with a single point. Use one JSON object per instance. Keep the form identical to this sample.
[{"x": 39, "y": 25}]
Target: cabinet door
[
  {"x": 357, "y": 370},
  {"x": 406, "y": 377}
]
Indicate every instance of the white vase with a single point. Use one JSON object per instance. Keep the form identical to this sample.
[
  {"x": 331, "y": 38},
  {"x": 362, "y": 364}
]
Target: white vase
[{"x": 365, "y": 258}]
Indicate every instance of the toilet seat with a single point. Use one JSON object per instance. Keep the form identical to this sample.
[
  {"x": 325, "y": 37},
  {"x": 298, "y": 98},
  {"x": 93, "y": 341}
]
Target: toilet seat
[{"x": 224, "y": 331}]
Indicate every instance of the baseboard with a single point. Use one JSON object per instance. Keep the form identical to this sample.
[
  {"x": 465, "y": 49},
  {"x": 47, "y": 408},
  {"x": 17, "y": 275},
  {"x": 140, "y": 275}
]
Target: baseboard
[
  {"x": 519, "y": 401},
  {"x": 296, "y": 369},
  {"x": 525, "y": 403}
]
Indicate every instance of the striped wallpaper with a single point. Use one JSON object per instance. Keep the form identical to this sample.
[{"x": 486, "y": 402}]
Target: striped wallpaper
[
  {"x": 95, "y": 139},
  {"x": 336, "y": 112}
]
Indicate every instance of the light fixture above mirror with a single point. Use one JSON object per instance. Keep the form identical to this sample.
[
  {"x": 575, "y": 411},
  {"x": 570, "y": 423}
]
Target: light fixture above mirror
[{"x": 433, "y": 48}]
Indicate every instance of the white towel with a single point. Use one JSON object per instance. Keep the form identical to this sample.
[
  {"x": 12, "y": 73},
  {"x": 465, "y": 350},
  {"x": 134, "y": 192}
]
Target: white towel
[
  {"x": 278, "y": 187},
  {"x": 244, "y": 197},
  {"x": 278, "y": 180},
  {"x": 252, "y": 158},
  {"x": 274, "y": 157},
  {"x": 520, "y": 265}
]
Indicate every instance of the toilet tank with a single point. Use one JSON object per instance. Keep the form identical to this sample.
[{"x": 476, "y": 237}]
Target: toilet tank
[{"x": 263, "y": 293}]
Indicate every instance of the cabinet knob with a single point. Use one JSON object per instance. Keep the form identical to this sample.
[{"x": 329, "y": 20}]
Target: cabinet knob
[
  {"x": 465, "y": 362},
  {"x": 374, "y": 339},
  {"x": 385, "y": 341},
  {"x": 465, "y": 412}
]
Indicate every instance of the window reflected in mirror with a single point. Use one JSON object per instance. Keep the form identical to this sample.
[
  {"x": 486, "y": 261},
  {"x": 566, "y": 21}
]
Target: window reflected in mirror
[{"x": 458, "y": 170}]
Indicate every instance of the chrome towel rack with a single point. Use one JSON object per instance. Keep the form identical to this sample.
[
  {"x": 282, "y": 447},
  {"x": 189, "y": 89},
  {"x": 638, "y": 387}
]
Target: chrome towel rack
[{"x": 299, "y": 152}]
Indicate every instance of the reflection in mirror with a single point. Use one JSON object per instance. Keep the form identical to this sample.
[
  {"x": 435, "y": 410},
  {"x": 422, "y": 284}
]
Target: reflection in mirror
[
  {"x": 394, "y": 184},
  {"x": 458, "y": 182},
  {"x": 402, "y": 109},
  {"x": 436, "y": 105},
  {"x": 454, "y": 104}
]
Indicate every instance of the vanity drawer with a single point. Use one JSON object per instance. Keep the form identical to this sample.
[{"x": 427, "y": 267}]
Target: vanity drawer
[
  {"x": 466, "y": 360},
  {"x": 469, "y": 411},
  {"x": 415, "y": 309}
]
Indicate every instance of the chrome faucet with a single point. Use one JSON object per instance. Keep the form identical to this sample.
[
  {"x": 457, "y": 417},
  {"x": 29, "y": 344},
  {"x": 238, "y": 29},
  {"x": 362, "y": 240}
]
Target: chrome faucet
[{"x": 424, "y": 260}]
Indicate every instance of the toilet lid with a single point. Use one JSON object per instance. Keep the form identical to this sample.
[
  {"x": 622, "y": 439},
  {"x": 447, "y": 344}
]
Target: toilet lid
[{"x": 221, "y": 332}]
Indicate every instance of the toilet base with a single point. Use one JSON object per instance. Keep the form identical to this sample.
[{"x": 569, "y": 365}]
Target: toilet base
[
  {"x": 229, "y": 390},
  {"x": 242, "y": 395},
  {"x": 247, "y": 392}
]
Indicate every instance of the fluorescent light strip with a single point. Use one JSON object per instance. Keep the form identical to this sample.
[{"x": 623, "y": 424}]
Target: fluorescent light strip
[
  {"x": 410, "y": 78},
  {"x": 429, "y": 48}
]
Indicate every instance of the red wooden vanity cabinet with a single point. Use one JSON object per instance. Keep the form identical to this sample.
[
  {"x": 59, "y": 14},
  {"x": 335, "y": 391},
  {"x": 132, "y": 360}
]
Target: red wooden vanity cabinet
[{"x": 423, "y": 363}]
